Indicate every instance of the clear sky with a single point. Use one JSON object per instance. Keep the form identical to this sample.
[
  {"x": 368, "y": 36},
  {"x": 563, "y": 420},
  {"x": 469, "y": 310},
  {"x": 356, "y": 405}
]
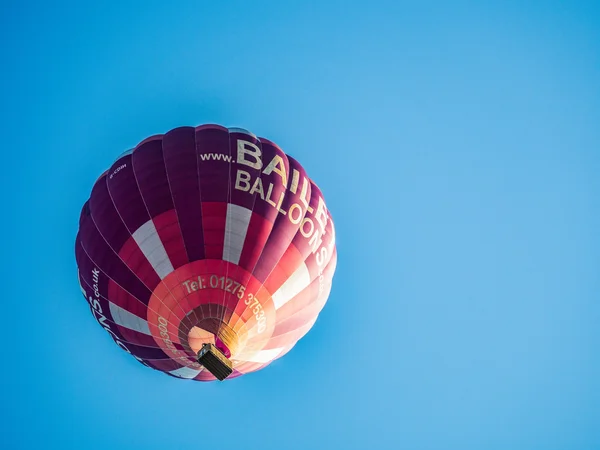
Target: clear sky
[{"x": 458, "y": 147}]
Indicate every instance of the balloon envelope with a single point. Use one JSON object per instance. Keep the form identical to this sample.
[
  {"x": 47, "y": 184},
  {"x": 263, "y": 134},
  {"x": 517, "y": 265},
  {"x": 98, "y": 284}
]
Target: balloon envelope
[{"x": 205, "y": 235}]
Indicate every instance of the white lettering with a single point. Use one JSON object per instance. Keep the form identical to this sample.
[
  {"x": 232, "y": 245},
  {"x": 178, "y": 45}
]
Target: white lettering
[
  {"x": 249, "y": 154},
  {"x": 248, "y": 149},
  {"x": 162, "y": 326},
  {"x": 117, "y": 170},
  {"x": 96, "y": 307},
  {"x": 304, "y": 194},
  {"x": 242, "y": 180},
  {"x": 311, "y": 227},
  {"x": 276, "y": 165},
  {"x": 258, "y": 187},
  {"x": 321, "y": 214},
  {"x": 269, "y": 192},
  {"x": 320, "y": 256},
  {"x": 315, "y": 241},
  {"x": 295, "y": 178},
  {"x": 295, "y": 207}
]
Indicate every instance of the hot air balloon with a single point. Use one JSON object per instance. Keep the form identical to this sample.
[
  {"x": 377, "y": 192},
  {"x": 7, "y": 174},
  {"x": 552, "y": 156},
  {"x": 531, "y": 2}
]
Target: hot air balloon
[{"x": 206, "y": 253}]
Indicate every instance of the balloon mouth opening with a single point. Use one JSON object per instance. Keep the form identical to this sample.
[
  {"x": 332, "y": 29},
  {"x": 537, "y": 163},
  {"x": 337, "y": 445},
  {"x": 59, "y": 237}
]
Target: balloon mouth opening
[{"x": 199, "y": 336}]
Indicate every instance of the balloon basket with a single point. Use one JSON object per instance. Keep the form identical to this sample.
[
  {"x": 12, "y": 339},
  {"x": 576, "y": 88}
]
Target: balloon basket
[{"x": 215, "y": 361}]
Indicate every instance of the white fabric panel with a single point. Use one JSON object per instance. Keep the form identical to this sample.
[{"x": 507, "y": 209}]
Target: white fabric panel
[
  {"x": 262, "y": 356},
  {"x": 149, "y": 242},
  {"x": 185, "y": 372},
  {"x": 236, "y": 227},
  {"x": 241, "y": 130},
  {"x": 125, "y": 319},
  {"x": 299, "y": 280}
]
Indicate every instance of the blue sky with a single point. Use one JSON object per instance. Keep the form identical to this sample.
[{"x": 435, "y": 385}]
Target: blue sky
[{"x": 458, "y": 147}]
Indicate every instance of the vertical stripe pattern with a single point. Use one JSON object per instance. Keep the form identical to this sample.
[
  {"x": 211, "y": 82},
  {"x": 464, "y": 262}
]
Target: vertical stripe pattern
[{"x": 205, "y": 234}]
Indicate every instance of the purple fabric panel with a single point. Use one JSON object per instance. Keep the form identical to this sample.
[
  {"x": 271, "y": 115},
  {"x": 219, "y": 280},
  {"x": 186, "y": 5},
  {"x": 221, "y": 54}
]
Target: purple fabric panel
[
  {"x": 125, "y": 194},
  {"x": 111, "y": 227},
  {"x": 181, "y": 161},
  {"x": 88, "y": 270},
  {"x": 213, "y": 140},
  {"x": 143, "y": 352},
  {"x": 284, "y": 230},
  {"x": 106, "y": 217},
  {"x": 105, "y": 259},
  {"x": 85, "y": 211},
  {"x": 164, "y": 365},
  {"x": 151, "y": 176}
]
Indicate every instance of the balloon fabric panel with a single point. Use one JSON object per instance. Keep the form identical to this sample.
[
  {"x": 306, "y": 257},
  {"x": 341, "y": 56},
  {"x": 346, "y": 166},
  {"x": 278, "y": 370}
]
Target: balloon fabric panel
[{"x": 205, "y": 235}]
